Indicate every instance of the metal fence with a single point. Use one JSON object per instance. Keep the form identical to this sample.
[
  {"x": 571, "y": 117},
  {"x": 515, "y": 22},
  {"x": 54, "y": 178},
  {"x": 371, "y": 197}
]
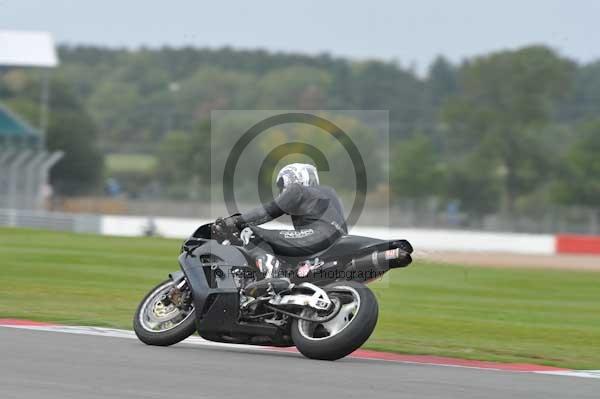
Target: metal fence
[
  {"x": 24, "y": 176},
  {"x": 544, "y": 220},
  {"x": 78, "y": 223},
  {"x": 547, "y": 220},
  {"x": 559, "y": 220}
]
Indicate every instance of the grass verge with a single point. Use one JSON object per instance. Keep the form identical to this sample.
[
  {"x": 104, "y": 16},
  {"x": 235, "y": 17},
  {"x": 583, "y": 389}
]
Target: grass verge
[
  {"x": 538, "y": 316},
  {"x": 116, "y": 163}
]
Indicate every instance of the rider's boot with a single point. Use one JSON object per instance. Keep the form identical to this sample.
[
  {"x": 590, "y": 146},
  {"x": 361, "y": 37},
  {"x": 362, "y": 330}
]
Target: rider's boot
[{"x": 268, "y": 265}]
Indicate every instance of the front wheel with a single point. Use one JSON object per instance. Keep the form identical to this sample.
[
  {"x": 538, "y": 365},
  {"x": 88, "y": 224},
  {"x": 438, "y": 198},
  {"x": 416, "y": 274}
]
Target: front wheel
[
  {"x": 164, "y": 317},
  {"x": 346, "y": 332}
]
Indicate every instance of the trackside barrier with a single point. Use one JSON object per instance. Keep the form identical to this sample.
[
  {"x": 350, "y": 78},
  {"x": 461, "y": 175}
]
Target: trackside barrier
[
  {"x": 78, "y": 223},
  {"x": 422, "y": 239},
  {"x": 577, "y": 244}
]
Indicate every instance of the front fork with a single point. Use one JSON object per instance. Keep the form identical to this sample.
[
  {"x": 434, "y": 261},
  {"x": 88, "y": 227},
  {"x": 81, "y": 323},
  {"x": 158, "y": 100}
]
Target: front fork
[{"x": 178, "y": 294}]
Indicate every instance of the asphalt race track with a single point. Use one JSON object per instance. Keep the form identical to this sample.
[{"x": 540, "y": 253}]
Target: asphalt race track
[{"x": 42, "y": 364}]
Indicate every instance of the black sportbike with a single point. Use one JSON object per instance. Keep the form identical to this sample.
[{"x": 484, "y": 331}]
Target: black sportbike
[{"x": 321, "y": 305}]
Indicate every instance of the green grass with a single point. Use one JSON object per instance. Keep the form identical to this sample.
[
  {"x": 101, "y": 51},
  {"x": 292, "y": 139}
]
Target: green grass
[
  {"x": 130, "y": 163},
  {"x": 514, "y": 315}
]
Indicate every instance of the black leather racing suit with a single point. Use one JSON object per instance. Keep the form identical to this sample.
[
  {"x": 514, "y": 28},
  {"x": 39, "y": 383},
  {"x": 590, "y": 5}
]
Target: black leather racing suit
[{"x": 317, "y": 215}]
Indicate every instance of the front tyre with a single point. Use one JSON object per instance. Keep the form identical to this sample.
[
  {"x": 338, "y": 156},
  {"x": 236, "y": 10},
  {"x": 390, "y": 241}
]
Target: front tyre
[
  {"x": 346, "y": 332},
  {"x": 157, "y": 323}
]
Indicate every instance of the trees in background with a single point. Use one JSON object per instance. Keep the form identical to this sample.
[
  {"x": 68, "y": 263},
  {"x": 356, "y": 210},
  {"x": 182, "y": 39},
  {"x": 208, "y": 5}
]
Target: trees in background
[
  {"x": 184, "y": 162},
  {"x": 493, "y": 132},
  {"x": 128, "y": 95},
  {"x": 493, "y": 139},
  {"x": 579, "y": 181},
  {"x": 441, "y": 82},
  {"x": 416, "y": 172},
  {"x": 70, "y": 129},
  {"x": 583, "y": 100},
  {"x": 498, "y": 116}
]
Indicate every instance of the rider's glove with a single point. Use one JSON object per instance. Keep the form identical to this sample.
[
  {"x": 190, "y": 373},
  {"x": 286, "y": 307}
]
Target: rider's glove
[
  {"x": 235, "y": 222},
  {"x": 218, "y": 228},
  {"x": 231, "y": 223}
]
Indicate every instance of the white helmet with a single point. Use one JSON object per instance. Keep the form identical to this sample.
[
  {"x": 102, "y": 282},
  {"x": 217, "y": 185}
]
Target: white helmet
[{"x": 299, "y": 173}]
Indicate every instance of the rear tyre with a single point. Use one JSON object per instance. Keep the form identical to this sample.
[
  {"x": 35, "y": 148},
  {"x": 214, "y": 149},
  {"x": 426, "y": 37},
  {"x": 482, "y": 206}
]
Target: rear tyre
[
  {"x": 346, "y": 332},
  {"x": 157, "y": 324}
]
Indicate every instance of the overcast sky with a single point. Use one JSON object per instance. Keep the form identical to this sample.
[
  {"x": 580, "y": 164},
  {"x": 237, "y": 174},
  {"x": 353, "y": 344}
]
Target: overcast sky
[{"x": 411, "y": 32}]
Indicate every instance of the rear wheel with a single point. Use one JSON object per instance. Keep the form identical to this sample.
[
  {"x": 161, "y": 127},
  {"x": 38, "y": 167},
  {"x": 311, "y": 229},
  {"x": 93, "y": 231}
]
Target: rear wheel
[
  {"x": 346, "y": 332},
  {"x": 161, "y": 321}
]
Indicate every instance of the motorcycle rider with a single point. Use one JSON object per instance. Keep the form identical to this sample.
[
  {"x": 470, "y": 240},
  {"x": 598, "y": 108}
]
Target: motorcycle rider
[{"x": 316, "y": 212}]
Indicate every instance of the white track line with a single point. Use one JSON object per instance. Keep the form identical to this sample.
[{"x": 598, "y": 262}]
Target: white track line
[
  {"x": 574, "y": 373},
  {"x": 117, "y": 333}
]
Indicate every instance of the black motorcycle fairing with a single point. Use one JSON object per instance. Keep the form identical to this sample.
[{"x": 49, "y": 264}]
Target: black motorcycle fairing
[
  {"x": 176, "y": 276},
  {"x": 216, "y": 296},
  {"x": 206, "y": 268},
  {"x": 203, "y": 231}
]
